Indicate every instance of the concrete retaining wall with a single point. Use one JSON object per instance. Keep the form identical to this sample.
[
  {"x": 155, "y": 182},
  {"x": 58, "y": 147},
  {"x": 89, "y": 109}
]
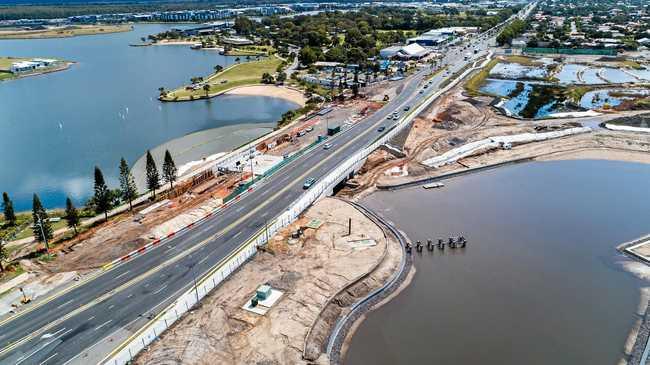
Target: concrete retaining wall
[
  {"x": 472, "y": 148},
  {"x": 148, "y": 333}
]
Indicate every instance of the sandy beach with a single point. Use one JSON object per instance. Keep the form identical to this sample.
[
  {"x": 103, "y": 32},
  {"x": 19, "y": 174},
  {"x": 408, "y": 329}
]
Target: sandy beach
[{"x": 292, "y": 95}]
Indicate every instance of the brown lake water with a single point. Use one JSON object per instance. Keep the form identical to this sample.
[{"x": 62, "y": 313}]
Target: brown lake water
[{"x": 540, "y": 281}]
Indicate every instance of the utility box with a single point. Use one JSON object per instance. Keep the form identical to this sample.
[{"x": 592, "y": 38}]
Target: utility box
[
  {"x": 333, "y": 130},
  {"x": 263, "y": 292}
]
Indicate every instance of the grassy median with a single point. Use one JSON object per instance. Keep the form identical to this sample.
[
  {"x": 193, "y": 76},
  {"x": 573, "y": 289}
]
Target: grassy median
[{"x": 473, "y": 85}]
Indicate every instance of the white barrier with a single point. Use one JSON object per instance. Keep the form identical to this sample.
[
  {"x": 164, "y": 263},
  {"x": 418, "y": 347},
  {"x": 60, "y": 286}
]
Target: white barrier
[
  {"x": 471, "y": 148},
  {"x": 124, "y": 353},
  {"x": 626, "y": 128}
]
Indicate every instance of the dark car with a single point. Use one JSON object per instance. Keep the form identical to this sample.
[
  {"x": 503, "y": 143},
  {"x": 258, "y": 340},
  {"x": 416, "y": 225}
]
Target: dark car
[{"x": 381, "y": 129}]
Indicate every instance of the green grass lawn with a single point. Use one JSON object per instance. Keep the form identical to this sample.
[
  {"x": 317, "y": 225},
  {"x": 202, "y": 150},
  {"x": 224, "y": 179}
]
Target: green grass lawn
[
  {"x": 248, "y": 73},
  {"x": 5, "y": 62}
]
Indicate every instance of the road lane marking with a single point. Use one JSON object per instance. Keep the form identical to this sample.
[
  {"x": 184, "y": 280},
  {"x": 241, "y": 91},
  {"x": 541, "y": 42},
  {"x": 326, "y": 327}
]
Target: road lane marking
[
  {"x": 103, "y": 324},
  {"x": 122, "y": 274},
  {"x": 23, "y": 358},
  {"x": 203, "y": 259},
  {"x": 68, "y": 302},
  {"x": 328, "y": 158},
  {"x": 90, "y": 319},
  {"x": 159, "y": 290},
  {"x": 48, "y": 359},
  {"x": 10, "y": 347}
]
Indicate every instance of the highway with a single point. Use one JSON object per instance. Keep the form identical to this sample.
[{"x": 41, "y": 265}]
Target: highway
[{"x": 58, "y": 329}]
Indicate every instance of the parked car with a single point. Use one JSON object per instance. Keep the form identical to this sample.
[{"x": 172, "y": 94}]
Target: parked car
[
  {"x": 308, "y": 183},
  {"x": 309, "y": 129}
]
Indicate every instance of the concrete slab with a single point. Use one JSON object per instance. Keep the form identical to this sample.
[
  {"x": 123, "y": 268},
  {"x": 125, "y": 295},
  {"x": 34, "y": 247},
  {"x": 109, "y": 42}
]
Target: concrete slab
[{"x": 263, "y": 306}]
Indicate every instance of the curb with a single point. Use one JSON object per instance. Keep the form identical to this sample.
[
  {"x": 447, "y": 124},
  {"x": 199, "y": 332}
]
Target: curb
[{"x": 170, "y": 235}]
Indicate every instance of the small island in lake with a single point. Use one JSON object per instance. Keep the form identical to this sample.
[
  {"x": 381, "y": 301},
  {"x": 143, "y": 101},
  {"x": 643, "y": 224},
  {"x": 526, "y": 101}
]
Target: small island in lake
[{"x": 12, "y": 67}]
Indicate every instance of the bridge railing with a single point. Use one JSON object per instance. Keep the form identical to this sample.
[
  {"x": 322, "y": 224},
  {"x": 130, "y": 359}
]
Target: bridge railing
[{"x": 126, "y": 351}]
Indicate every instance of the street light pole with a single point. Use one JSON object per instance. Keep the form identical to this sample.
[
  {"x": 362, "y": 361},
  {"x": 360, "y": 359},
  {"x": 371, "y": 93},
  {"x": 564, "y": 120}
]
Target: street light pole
[
  {"x": 40, "y": 225},
  {"x": 250, "y": 157}
]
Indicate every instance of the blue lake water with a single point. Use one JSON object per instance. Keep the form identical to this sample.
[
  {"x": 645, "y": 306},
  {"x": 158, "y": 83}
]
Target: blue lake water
[
  {"x": 514, "y": 102},
  {"x": 57, "y": 127}
]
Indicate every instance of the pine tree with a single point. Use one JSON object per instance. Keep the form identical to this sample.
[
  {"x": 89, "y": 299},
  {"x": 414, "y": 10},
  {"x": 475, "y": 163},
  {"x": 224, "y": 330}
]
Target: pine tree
[
  {"x": 41, "y": 228},
  {"x": 3, "y": 255},
  {"x": 153, "y": 178},
  {"x": 71, "y": 215},
  {"x": 127, "y": 184},
  {"x": 169, "y": 169},
  {"x": 102, "y": 194},
  {"x": 8, "y": 205}
]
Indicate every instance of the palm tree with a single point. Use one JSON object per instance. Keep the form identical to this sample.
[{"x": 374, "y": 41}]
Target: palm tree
[{"x": 206, "y": 88}]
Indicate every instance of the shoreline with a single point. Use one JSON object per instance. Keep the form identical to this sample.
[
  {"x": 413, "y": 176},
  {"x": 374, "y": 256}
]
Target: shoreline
[
  {"x": 63, "y": 67},
  {"x": 54, "y": 33},
  {"x": 281, "y": 92}
]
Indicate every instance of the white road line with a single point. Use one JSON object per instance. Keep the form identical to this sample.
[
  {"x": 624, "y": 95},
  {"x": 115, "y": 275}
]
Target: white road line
[
  {"x": 49, "y": 358},
  {"x": 111, "y": 306},
  {"x": 20, "y": 360},
  {"x": 203, "y": 259},
  {"x": 103, "y": 324},
  {"x": 159, "y": 290},
  {"x": 68, "y": 302},
  {"x": 90, "y": 319},
  {"x": 122, "y": 274}
]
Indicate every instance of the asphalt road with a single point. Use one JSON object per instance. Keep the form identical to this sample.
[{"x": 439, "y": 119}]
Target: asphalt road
[{"x": 58, "y": 329}]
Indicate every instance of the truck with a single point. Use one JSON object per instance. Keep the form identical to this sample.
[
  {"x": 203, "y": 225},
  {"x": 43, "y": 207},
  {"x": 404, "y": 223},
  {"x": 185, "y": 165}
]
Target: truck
[{"x": 333, "y": 130}]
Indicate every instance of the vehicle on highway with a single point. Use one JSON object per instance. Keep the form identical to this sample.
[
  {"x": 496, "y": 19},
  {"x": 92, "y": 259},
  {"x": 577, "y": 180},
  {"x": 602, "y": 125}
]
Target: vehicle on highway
[
  {"x": 381, "y": 129},
  {"x": 406, "y": 108},
  {"x": 421, "y": 92},
  {"x": 396, "y": 117},
  {"x": 327, "y": 146},
  {"x": 308, "y": 183}
]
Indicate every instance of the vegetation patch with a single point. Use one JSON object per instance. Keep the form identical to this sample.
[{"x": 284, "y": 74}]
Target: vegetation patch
[
  {"x": 473, "y": 85},
  {"x": 242, "y": 74},
  {"x": 575, "y": 93}
]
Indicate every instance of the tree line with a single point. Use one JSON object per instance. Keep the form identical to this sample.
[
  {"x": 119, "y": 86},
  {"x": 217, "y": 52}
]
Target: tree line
[
  {"x": 353, "y": 37},
  {"x": 103, "y": 200}
]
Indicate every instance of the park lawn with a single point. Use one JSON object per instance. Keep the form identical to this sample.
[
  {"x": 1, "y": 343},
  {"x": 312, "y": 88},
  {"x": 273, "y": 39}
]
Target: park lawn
[
  {"x": 522, "y": 60},
  {"x": 65, "y": 32},
  {"x": 27, "y": 231},
  {"x": 5, "y": 62},
  {"x": 241, "y": 74}
]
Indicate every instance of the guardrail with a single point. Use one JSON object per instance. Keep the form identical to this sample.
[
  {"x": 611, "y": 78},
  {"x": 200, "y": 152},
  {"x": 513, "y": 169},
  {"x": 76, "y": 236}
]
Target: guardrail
[{"x": 124, "y": 353}]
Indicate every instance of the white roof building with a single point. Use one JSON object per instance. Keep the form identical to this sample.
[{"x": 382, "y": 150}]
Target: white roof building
[{"x": 411, "y": 51}]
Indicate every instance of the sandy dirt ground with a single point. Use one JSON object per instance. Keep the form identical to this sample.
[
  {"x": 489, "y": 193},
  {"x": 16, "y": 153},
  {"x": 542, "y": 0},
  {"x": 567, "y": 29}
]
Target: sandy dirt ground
[
  {"x": 456, "y": 119},
  {"x": 292, "y": 95},
  {"x": 310, "y": 272}
]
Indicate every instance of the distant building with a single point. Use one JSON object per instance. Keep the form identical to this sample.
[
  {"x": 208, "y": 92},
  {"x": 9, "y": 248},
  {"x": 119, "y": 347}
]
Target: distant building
[
  {"x": 35, "y": 64},
  {"x": 408, "y": 52},
  {"x": 436, "y": 37},
  {"x": 237, "y": 41}
]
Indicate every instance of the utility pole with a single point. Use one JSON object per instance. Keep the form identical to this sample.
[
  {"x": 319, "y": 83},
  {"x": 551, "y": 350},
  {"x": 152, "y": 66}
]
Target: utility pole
[
  {"x": 250, "y": 157},
  {"x": 40, "y": 225}
]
